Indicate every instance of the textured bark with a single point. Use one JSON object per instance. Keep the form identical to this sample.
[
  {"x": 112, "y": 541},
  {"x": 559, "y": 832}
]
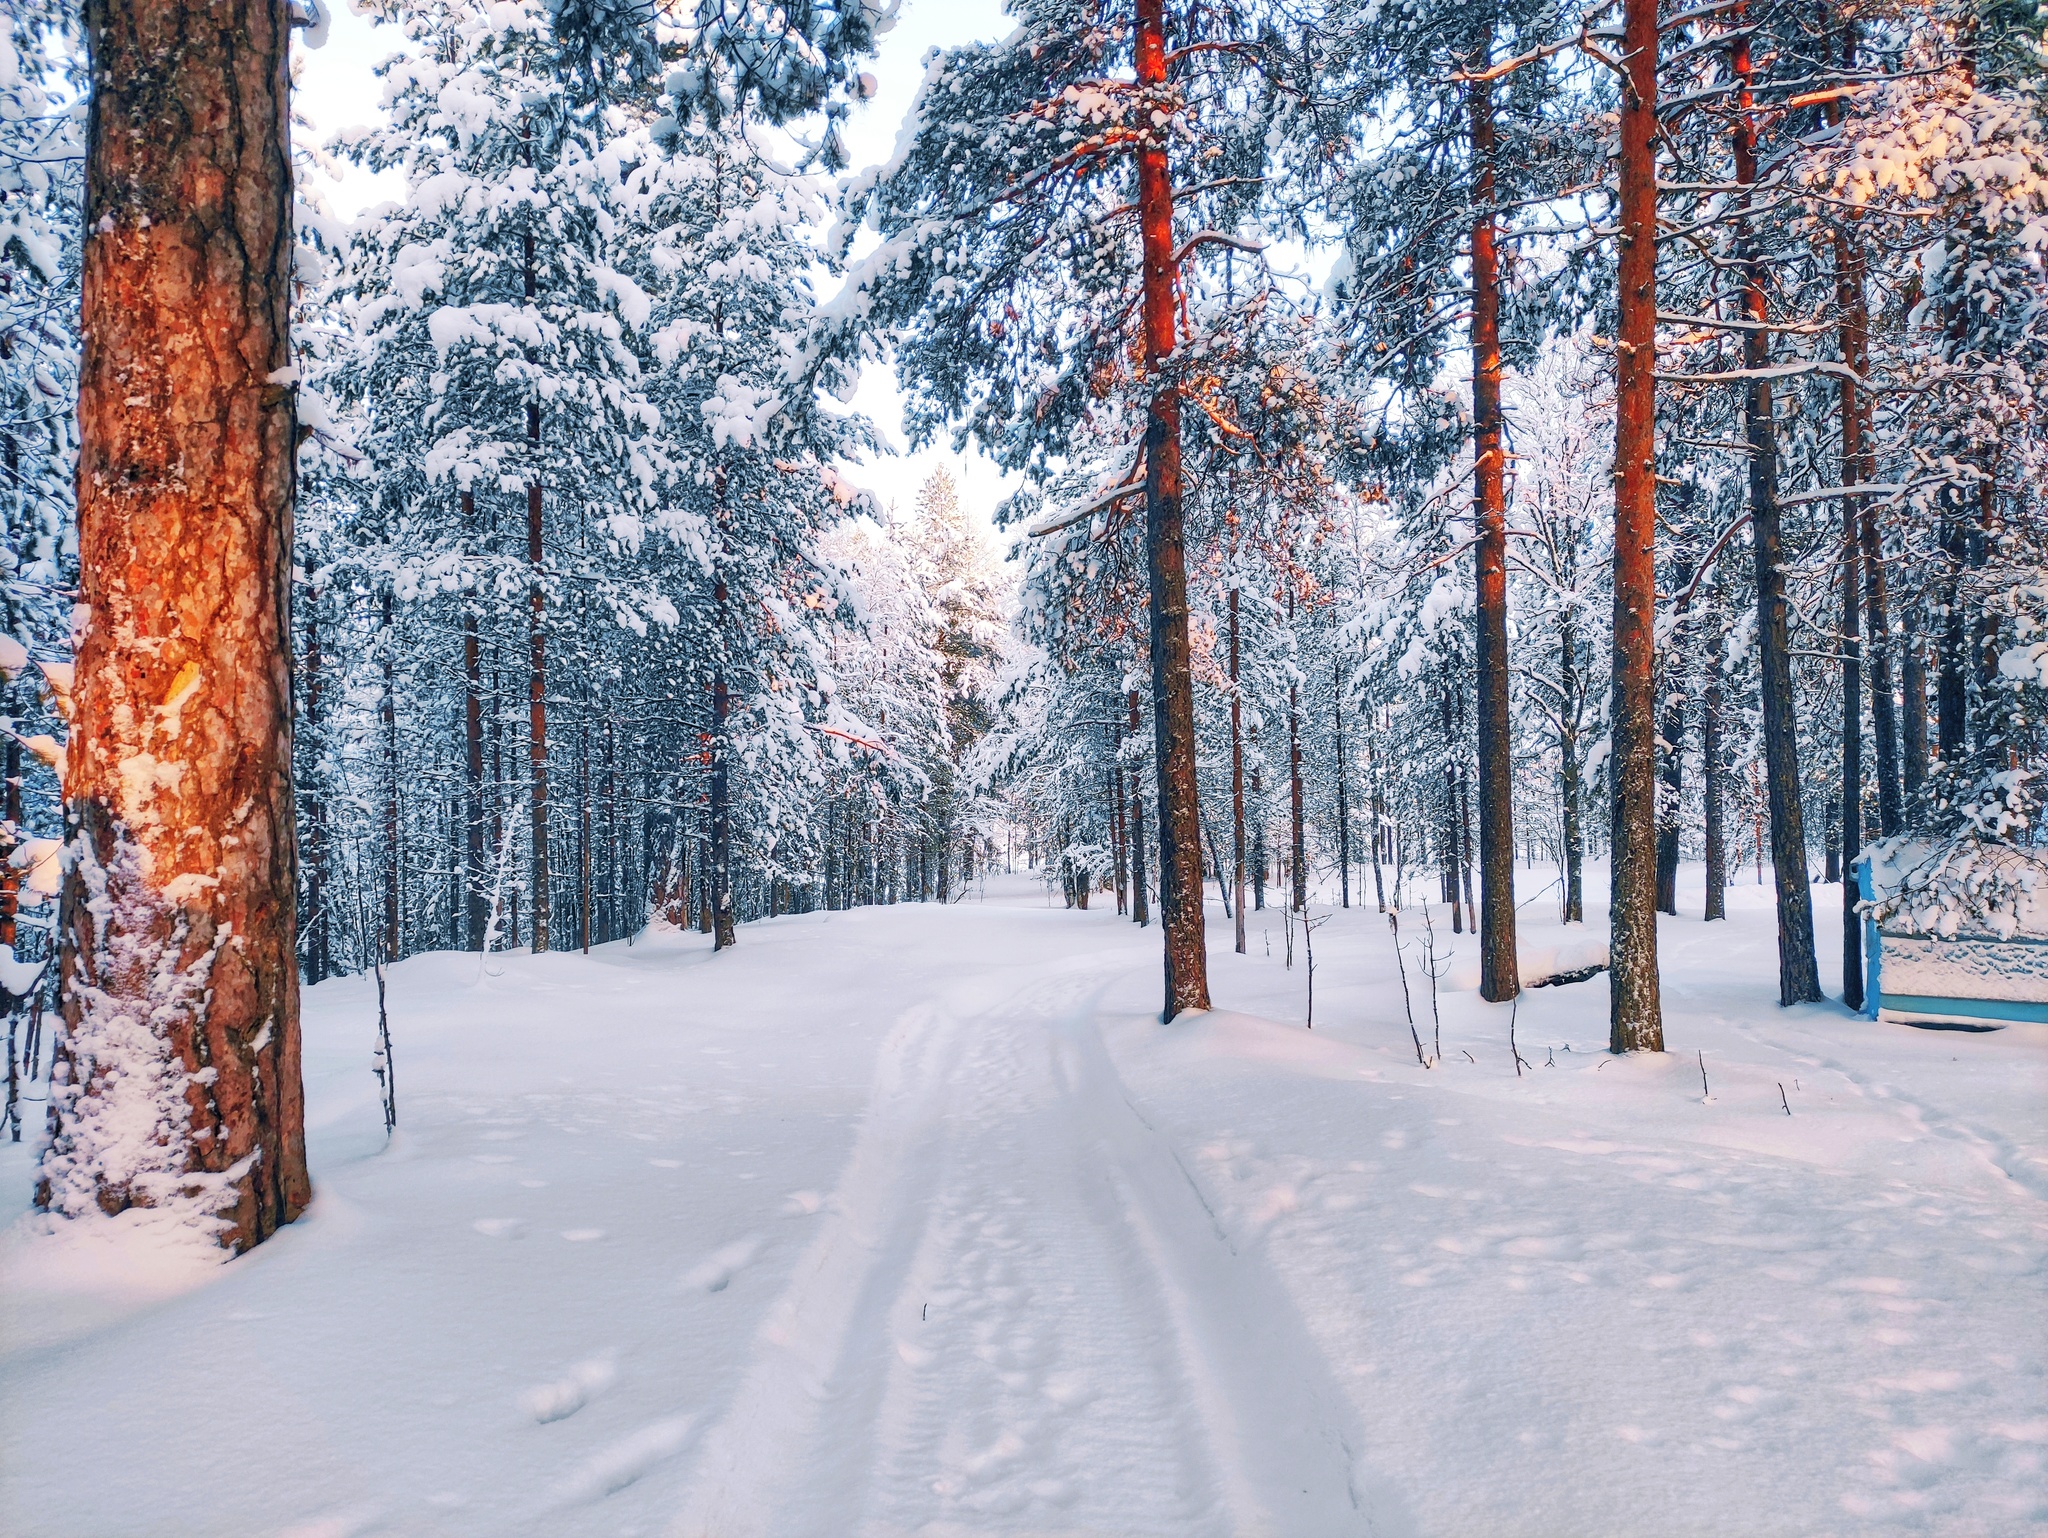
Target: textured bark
[
  {"x": 1343, "y": 796},
  {"x": 1569, "y": 789},
  {"x": 1297, "y": 828},
  {"x": 1714, "y": 769},
  {"x": 1671, "y": 788},
  {"x": 724, "y": 930},
  {"x": 1236, "y": 777},
  {"x": 1499, "y": 977},
  {"x": 1635, "y": 1007},
  {"x": 1140, "y": 912},
  {"x": 387, "y": 715},
  {"x": 1173, "y": 697},
  {"x": 1798, "y": 972},
  {"x": 313, "y": 837},
  {"x": 178, "y": 772},
  {"x": 475, "y": 859},
  {"x": 1851, "y": 822}
]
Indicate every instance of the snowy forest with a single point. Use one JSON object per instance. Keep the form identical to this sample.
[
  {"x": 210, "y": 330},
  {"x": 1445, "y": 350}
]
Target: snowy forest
[{"x": 1496, "y": 497}]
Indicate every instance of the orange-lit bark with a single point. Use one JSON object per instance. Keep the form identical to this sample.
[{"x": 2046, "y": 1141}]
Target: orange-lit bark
[
  {"x": 1173, "y": 696},
  {"x": 180, "y": 924},
  {"x": 1499, "y": 975}
]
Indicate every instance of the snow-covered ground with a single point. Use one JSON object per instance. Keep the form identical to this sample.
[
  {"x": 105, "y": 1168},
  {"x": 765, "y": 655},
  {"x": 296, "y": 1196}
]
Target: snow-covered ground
[{"x": 913, "y": 1220}]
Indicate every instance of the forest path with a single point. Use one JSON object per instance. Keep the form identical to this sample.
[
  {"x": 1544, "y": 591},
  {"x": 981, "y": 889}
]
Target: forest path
[{"x": 1021, "y": 1309}]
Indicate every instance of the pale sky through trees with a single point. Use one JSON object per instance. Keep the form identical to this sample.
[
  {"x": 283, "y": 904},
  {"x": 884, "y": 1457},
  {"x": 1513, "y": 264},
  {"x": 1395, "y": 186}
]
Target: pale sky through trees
[{"x": 337, "y": 88}]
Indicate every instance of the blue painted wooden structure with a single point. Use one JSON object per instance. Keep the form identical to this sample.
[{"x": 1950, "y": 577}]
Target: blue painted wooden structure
[{"x": 1970, "y": 979}]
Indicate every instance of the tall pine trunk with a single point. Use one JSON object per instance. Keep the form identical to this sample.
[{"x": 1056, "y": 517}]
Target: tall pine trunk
[
  {"x": 476, "y": 876},
  {"x": 1236, "y": 776},
  {"x": 1798, "y": 973},
  {"x": 1173, "y": 698},
  {"x": 1141, "y": 914},
  {"x": 537, "y": 648},
  {"x": 178, "y": 776},
  {"x": 388, "y": 717},
  {"x": 1570, "y": 792},
  {"x": 1499, "y": 976},
  {"x": 1714, "y": 764},
  {"x": 1343, "y": 793},
  {"x": 1297, "y": 829},
  {"x": 1635, "y": 1006}
]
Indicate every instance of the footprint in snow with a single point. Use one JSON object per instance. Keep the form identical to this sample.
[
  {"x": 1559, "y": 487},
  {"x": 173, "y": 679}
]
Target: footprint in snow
[
  {"x": 802, "y": 1204},
  {"x": 569, "y": 1393},
  {"x": 621, "y": 1464},
  {"x": 500, "y": 1228},
  {"x": 718, "y": 1268},
  {"x": 582, "y": 1235}
]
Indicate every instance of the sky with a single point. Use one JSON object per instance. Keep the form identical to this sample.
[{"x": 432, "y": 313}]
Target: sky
[{"x": 337, "y": 88}]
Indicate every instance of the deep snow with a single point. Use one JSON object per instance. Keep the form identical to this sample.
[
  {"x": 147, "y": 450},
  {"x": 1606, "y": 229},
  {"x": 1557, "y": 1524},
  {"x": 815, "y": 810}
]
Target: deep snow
[{"x": 914, "y": 1220}]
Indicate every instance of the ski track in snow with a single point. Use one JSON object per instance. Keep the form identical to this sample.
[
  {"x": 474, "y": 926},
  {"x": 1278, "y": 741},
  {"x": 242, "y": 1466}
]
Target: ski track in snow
[{"x": 1008, "y": 1224}]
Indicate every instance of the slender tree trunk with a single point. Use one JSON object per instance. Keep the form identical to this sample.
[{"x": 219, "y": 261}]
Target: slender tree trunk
[
  {"x": 1913, "y": 731},
  {"x": 1714, "y": 768},
  {"x": 1798, "y": 973},
  {"x": 724, "y": 920},
  {"x": 1672, "y": 790},
  {"x": 1173, "y": 700},
  {"x": 1298, "y": 831},
  {"x": 1851, "y": 819},
  {"x": 1635, "y": 1007},
  {"x": 1140, "y": 913},
  {"x": 314, "y": 839},
  {"x": 475, "y": 857},
  {"x": 1569, "y": 791},
  {"x": 1119, "y": 831},
  {"x": 1236, "y": 774},
  {"x": 1499, "y": 977},
  {"x": 1465, "y": 844},
  {"x": 388, "y": 716},
  {"x": 1343, "y": 792},
  {"x": 178, "y": 780},
  {"x": 1858, "y": 467}
]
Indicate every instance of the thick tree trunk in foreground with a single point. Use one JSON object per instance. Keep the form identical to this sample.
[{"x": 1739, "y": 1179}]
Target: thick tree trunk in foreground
[
  {"x": 1499, "y": 977},
  {"x": 1173, "y": 697},
  {"x": 1798, "y": 973},
  {"x": 1635, "y": 1007},
  {"x": 181, "y": 1007}
]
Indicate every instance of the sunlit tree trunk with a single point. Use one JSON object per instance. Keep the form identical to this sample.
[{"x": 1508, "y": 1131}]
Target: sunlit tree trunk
[
  {"x": 178, "y": 771},
  {"x": 1499, "y": 977},
  {"x": 1173, "y": 699},
  {"x": 1635, "y": 1008}
]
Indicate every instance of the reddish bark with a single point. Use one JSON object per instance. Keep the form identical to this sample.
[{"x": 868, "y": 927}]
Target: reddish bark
[
  {"x": 1636, "y": 1017},
  {"x": 1499, "y": 975},
  {"x": 178, "y": 771},
  {"x": 1173, "y": 696}
]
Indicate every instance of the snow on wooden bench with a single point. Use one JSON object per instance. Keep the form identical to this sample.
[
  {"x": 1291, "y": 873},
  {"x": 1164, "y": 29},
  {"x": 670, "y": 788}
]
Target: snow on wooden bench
[{"x": 1955, "y": 933}]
